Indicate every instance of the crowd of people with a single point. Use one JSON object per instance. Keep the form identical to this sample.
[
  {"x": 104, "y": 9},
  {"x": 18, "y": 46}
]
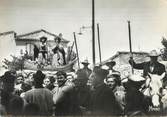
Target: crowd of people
[{"x": 97, "y": 92}]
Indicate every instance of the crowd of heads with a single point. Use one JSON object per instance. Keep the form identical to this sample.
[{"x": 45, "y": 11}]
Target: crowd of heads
[{"x": 14, "y": 86}]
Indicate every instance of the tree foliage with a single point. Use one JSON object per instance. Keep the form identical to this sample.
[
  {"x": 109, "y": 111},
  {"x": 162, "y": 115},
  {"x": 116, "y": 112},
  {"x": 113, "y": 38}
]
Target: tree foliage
[
  {"x": 164, "y": 50},
  {"x": 17, "y": 63}
]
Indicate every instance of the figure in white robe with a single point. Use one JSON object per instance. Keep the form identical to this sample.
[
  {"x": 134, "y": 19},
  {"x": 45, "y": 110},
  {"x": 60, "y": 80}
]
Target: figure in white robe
[{"x": 57, "y": 58}]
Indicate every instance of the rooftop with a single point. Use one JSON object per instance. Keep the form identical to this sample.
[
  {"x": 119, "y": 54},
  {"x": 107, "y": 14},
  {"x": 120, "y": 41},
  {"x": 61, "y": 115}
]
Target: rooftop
[
  {"x": 123, "y": 52},
  {"x": 33, "y": 35}
]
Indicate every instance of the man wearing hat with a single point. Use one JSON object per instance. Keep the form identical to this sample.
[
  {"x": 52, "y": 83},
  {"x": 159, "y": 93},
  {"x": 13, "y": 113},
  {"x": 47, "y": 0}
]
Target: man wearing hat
[
  {"x": 110, "y": 65},
  {"x": 152, "y": 66},
  {"x": 40, "y": 96},
  {"x": 85, "y": 69}
]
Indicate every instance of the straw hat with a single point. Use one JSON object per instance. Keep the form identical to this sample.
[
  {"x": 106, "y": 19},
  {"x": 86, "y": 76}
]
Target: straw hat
[
  {"x": 153, "y": 53},
  {"x": 111, "y": 62},
  {"x": 85, "y": 62},
  {"x": 113, "y": 75}
]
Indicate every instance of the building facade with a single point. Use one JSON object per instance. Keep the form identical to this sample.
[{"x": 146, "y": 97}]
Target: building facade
[
  {"x": 13, "y": 44},
  {"x": 27, "y": 41}
]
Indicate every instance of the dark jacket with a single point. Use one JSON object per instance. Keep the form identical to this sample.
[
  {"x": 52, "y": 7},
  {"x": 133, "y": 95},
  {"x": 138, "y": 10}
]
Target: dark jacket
[
  {"x": 83, "y": 95},
  {"x": 134, "y": 100},
  {"x": 68, "y": 104},
  {"x": 158, "y": 69},
  {"x": 103, "y": 102},
  {"x": 86, "y": 71}
]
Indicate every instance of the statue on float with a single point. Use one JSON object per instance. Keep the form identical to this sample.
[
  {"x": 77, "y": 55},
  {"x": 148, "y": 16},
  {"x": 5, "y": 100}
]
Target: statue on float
[{"x": 59, "y": 53}]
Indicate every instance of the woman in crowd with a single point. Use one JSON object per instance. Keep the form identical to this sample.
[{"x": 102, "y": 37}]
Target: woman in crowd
[{"x": 113, "y": 81}]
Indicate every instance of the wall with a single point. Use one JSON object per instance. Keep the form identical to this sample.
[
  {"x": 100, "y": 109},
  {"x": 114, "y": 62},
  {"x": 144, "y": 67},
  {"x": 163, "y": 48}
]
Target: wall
[
  {"x": 122, "y": 63},
  {"x": 7, "y": 47}
]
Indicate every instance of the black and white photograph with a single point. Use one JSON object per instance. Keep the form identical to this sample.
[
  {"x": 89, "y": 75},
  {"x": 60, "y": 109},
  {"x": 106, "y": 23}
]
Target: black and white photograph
[{"x": 83, "y": 58}]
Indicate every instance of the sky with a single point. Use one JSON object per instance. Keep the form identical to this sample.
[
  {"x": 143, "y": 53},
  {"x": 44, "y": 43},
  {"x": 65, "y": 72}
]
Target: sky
[{"x": 148, "y": 22}]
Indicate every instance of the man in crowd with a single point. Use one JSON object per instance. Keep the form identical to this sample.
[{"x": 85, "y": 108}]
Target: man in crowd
[
  {"x": 135, "y": 103},
  {"x": 51, "y": 86},
  {"x": 110, "y": 65},
  {"x": 152, "y": 66},
  {"x": 7, "y": 92},
  {"x": 39, "y": 95},
  {"x": 85, "y": 69},
  {"x": 103, "y": 101},
  {"x": 46, "y": 82},
  {"x": 18, "y": 84},
  {"x": 83, "y": 91},
  {"x": 92, "y": 76},
  {"x": 64, "y": 97},
  {"x": 16, "y": 105}
]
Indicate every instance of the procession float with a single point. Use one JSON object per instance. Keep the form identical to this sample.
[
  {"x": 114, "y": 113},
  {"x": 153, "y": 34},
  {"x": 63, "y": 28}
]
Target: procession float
[{"x": 42, "y": 54}]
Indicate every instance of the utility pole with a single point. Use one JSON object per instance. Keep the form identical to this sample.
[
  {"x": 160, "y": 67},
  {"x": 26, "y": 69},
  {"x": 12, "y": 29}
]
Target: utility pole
[
  {"x": 93, "y": 33},
  {"x": 75, "y": 41},
  {"x": 130, "y": 43},
  {"x": 98, "y": 32}
]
